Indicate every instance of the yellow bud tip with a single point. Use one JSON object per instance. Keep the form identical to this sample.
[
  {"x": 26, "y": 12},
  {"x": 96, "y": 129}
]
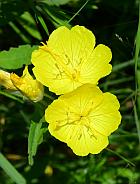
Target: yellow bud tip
[
  {"x": 5, "y": 80},
  {"x": 28, "y": 86},
  {"x": 15, "y": 79}
]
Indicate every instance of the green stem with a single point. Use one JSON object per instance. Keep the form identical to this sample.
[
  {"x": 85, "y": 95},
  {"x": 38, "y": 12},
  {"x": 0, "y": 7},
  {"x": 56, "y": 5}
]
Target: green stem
[
  {"x": 11, "y": 96},
  {"x": 122, "y": 157}
]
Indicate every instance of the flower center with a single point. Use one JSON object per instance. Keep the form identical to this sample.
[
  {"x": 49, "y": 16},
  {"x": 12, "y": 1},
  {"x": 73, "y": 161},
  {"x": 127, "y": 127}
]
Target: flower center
[
  {"x": 75, "y": 75},
  {"x": 78, "y": 119}
]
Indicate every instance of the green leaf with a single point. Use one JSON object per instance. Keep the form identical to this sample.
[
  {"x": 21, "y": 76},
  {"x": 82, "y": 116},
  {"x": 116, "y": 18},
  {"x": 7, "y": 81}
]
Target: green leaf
[
  {"x": 35, "y": 138},
  {"x": 56, "y": 2},
  {"x": 11, "y": 171},
  {"x": 19, "y": 32},
  {"x": 57, "y": 17},
  {"x": 16, "y": 57},
  {"x": 42, "y": 22},
  {"x": 29, "y": 24},
  {"x": 137, "y": 122},
  {"x": 138, "y": 83},
  {"x": 12, "y": 96},
  {"x": 137, "y": 77}
]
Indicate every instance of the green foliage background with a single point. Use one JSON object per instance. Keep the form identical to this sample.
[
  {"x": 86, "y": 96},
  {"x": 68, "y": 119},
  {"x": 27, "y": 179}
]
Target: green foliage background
[{"x": 23, "y": 25}]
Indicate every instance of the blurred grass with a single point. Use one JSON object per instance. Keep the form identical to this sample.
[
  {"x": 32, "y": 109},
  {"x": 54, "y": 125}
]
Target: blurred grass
[
  {"x": 11, "y": 171},
  {"x": 115, "y": 24},
  {"x": 137, "y": 78}
]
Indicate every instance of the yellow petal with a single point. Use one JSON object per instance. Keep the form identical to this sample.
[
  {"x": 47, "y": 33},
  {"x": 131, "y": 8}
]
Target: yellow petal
[
  {"x": 97, "y": 65},
  {"x": 6, "y": 81},
  {"x": 105, "y": 117},
  {"x": 78, "y": 101},
  {"x": 57, "y": 64},
  {"x": 74, "y": 44},
  {"x": 83, "y": 98},
  {"x": 55, "y": 81},
  {"x": 57, "y": 112},
  {"x": 50, "y": 74},
  {"x": 30, "y": 87},
  {"x": 79, "y": 138},
  {"x": 83, "y": 141},
  {"x": 83, "y": 119}
]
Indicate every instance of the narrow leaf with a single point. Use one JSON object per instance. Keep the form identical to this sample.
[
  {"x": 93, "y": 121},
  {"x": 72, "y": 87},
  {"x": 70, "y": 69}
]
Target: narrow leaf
[
  {"x": 137, "y": 78},
  {"x": 11, "y": 171},
  {"x": 12, "y": 96},
  {"x": 56, "y": 2},
  {"x": 137, "y": 121},
  {"x": 29, "y": 24},
  {"x": 57, "y": 17},
  {"x": 19, "y": 32},
  {"x": 42, "y": 22}
]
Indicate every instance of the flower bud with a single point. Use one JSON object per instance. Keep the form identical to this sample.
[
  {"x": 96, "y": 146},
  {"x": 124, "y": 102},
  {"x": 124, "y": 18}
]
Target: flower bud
[
  {"x": 28, "y": 86},
  {"x": 6, "y": 81}
]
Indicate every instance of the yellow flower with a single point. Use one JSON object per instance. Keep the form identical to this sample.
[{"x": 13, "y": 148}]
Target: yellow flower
[
  {"x": 6, "y": 81},
  {"x": 28, "y": 86},
  {"x": 84, "y": 119},
  {"x": 70, "y": 60}
]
